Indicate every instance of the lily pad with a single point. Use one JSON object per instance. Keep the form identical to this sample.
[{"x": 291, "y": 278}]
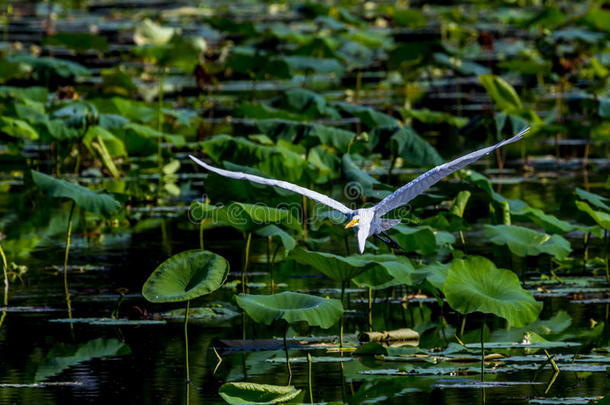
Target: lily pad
[
  {"x": 476, "y": 285},
  {"x": 110, "y": 321},
  {"x": 251, "y": 393},
  {"x": 291, "y": 307},
  {"x": 210, "y": 315},
  {"x": 186, "y": 276}
]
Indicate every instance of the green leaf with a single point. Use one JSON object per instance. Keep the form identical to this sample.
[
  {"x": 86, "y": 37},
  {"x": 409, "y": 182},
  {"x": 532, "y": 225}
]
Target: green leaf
[
  {"x": 275, "y": 161},
  {"x": 13, "y": 70},
  {"x": 458, "y": 205},
  {"x": 388, "y": 270},
  {"x": 252, "y": 393},
  {"x": 306, "y": 102},
  {"x": 310, "y": 64},
  {"x": 353, "y": 173},
  {"x": 291, "y": 307},
  {"x": 62, "y": 357},
  {"x": 414, "y": 150},
  {"x": 43, "y": 65},
  {"x": 148, "y": 132},
  {"x": 415, "y": 239},
  {"x": 17, "y": 128},
  {"x": 462, "y": 66},
  {"x": 501, "y": 92},
  {"x": 435, "y": 273},
  {"x": 308, "y": 133},
  {"x": 475, "y": 284},
  {"x": 527, "y": 242},
  {"x": 592, "y": 198},
  {"x": 243, "y": 217},
  {"x": 115, "y": 146},
  {"x": 338, "y": 268},
  {"x": 369, "y": 116},
  {"x": 410, "y": 18},
  {"x": 408, "y": 145},
  {"x": 434, "y": 117},
  {"x": 33, "y": 93},
  {"x": 78, "y": 41},
  {"x": 601, "y": 218},
  {"x": 82, "y": 196},
  {"x": 550, "y": 223},
  {"x": 272, "y": 231},
  {"x": 211, "y": 315},
  {"x": 186, "y": 276}
]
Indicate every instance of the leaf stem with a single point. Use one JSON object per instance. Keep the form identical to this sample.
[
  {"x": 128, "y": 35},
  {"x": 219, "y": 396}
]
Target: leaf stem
[
  {"x": 286, "y": 352},
  {"x": 186, "y": 343},
  {"x": 246, "y": 262},
  {"x": 482, "y": 351},
  {"x": 309, "y": 377},
  {"x": 68, "y": 238}
]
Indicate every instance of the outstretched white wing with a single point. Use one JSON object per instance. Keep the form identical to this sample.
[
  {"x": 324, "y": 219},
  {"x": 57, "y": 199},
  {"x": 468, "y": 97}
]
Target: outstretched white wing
[
  {"x": 314, "y": 195},
  {"x": 411, "y": 190}
]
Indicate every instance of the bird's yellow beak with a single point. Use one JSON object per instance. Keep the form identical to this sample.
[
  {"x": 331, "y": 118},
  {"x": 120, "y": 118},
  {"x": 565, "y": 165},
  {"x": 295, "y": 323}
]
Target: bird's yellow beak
[{"x": 352, "y": 223}]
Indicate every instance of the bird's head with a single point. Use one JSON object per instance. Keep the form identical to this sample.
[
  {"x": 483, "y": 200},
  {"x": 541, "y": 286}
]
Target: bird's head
[{"x": 361, "y": 221}]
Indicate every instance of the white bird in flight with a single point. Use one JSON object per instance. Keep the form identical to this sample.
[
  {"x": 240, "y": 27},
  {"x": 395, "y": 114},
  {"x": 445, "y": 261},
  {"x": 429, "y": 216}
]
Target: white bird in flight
[{"x": 368, "y": 221}]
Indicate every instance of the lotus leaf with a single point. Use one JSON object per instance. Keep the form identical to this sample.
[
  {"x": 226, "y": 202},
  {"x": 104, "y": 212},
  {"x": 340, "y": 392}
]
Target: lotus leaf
[
  {"x": 527, "y": 242},
  {"x": 386, "y": 271},
  {"x": 17, "y": 128},
  {"x": 594, "y": 199},
  {"x": 600, "y": 217},
  {"x": 339, "y": 268},
  {"x": 502, "y": 93},
  {"x": 186, "y": 276},
  {"x": 82, "y": 196},
  {"x": 291, "y": 307},
  {"x": 244, "y": 217},
  {"x": 475, "y": 284},
  {"x": 79, "y": 41}
]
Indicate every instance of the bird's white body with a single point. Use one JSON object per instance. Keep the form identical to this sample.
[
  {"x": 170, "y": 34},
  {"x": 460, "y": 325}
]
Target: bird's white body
[{"x": 370, "y": 221}]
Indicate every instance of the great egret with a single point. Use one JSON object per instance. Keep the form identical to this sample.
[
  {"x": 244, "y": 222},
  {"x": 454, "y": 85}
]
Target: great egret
[{"x": 369, "y": 221}]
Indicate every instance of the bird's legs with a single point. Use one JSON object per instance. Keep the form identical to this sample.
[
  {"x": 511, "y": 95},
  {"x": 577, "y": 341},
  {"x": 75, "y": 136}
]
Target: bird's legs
[{"x": 390, "y": 242}]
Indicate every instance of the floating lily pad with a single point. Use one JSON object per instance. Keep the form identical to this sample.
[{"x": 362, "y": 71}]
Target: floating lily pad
[
  {"x": 110, "y": 321},
  {"x": 30, "y": 309},
  {"x": 43, "y": 384},
  {"x": 186, "y": 276},
  {"x": 314, "y": 359},
  {"x": 251, "y": 393},
  {"x": 210, "y": 315}
]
